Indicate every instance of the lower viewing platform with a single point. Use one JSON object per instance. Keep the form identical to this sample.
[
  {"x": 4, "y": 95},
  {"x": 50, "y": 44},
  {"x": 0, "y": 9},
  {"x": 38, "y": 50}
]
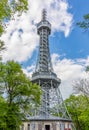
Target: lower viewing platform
[{"x": 45, "y": 75}]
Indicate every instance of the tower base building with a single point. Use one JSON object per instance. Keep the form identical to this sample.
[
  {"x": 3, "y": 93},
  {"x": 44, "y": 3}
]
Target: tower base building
[
  {"x": 51, "y": 124},
  {"x": 52, "y": 113}
]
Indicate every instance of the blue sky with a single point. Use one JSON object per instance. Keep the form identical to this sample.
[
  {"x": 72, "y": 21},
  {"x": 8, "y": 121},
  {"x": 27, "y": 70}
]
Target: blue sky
[
  {"x": 76, "y": 45},
  {"x": 69, "y": 45},
  {"x": 78, "y": 40}
]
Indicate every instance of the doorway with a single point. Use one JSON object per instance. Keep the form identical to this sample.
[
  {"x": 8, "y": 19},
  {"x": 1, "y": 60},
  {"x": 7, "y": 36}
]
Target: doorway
[{"x": 47, "y": 127}]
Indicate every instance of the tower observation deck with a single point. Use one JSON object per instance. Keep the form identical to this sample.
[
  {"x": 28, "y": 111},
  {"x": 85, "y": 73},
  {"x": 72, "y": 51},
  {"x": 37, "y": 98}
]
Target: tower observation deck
[{"x": 52, "y": 113}]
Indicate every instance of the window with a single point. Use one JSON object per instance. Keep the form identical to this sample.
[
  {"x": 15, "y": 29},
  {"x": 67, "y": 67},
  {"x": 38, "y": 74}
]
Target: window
[
  {"x": 33, "y": 126},
  {"x": 28, "y": 127},
  {"x": 62, "y": 126}
]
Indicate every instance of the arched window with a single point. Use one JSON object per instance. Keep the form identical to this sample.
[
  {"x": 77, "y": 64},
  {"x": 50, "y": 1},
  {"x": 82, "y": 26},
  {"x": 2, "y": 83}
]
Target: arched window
[{"x": 28, "y": 127}]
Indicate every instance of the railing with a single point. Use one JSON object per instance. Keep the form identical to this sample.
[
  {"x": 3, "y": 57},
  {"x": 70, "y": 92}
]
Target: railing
[
  {"x": 45, "y": 75},
  {"x": 45, "y": 24}
]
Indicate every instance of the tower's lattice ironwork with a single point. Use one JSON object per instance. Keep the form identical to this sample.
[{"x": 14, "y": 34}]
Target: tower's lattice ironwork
[{"x": 52, "y": 105}]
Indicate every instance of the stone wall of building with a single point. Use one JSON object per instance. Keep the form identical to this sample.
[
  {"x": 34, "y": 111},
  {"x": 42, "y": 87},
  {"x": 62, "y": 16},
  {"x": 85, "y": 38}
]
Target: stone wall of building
[{"x": 46, "y": 125}]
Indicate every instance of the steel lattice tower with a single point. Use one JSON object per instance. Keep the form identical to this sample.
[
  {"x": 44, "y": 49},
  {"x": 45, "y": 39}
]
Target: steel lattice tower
[{"x": 52, "y": 102}]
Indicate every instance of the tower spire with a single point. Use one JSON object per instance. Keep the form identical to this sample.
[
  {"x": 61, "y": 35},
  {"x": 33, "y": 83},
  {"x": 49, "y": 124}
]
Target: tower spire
[
  {"x": 44, "y": 30},
  {"x": 44, "y": 14}
]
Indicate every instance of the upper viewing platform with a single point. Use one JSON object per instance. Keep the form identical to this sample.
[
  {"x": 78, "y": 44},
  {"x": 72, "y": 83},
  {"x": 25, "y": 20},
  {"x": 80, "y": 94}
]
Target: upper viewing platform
[{"x": 44, "y": 23}]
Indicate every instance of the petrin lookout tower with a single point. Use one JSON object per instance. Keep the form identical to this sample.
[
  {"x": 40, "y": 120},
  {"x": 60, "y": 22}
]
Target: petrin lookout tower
[
  {"x": 44, "y": 75},
  {"x": 52, "y": 113}
]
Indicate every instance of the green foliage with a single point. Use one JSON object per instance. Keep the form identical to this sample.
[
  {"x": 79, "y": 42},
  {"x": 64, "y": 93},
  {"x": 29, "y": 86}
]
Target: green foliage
[
  {"x": 8, "y": 8},
  {"x": 85, "y": 23},
  {"x": 20, "y": 95},
  {"x": 3, "y": 107},
  {"x": 5, "y": 12},
  {"x": 21, "y": 5},
  {"x": 2, "y": 47},
  {"x": 78, "y": 108},
  {"x": 87, "y": 69}
]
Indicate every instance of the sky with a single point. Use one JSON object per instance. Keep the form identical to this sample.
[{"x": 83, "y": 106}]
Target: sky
[{"x": 69, "y": 45}]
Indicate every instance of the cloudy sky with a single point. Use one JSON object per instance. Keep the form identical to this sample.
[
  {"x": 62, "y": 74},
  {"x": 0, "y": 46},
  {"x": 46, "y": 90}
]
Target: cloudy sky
[{"x": 69, "y": 45}]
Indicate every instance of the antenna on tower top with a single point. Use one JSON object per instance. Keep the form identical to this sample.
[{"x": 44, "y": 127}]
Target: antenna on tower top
[{"x": 44, "y": 14}]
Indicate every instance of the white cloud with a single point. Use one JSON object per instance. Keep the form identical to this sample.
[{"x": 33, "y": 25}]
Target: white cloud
[
  {"x": 29, "y": 70},
  {"x": 68, "y": 71},
  {"x": 21, "y": 37},
  {"x": 66, "y": 68}
]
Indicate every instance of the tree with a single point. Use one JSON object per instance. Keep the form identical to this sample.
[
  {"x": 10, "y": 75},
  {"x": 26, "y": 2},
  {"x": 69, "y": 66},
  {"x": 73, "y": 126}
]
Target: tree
[
  {"x": 1, "y": 47},
  {"x": 82, "y": 86},
  {"x": 85, "y": 23},
  {"x": 7, "y": 9},
  {"x": 3, "y": 107},
  {"x": 19, "y": 95},
  {"x": 79, "y": 111}
]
